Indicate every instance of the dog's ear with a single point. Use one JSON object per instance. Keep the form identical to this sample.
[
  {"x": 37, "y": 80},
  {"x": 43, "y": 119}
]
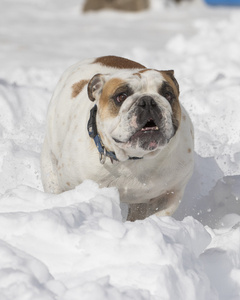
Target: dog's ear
[
  {"x": 95, "y": 86},
  {"x": 170, "y": 73}
]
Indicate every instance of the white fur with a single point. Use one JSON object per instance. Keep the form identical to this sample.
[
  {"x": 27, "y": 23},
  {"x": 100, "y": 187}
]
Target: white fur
[{"x": 70, "y": 156}]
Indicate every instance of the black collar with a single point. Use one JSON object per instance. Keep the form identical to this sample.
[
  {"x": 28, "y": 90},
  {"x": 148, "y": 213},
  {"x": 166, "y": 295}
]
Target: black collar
[{"x": 93, "y": 133}]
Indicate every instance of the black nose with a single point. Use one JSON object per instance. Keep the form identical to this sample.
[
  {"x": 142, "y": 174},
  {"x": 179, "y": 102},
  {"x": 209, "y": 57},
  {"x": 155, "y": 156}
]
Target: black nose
[{"x": 147, "y": 102}]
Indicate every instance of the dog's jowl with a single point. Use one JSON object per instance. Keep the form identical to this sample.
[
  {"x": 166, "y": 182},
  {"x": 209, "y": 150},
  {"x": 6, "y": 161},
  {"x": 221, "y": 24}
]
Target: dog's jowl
[{"x": 116, "y": 122}]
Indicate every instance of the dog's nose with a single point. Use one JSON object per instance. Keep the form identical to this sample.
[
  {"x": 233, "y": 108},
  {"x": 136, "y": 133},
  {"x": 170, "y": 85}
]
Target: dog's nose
[{"x": 147, "y": 102}]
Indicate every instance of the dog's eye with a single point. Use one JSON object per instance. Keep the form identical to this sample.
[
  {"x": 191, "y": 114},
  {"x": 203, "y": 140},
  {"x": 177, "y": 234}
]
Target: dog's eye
[
  {"x": 167, "y": 92},
  {"x": 169, "y": 96},
  {"x": 121, "y": 97},
  {"x": 121, "y": 94}
]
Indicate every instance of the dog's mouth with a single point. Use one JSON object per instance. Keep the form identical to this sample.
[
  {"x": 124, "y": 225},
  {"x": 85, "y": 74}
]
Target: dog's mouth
[
  {"x": 150, "y": 126},
  {"x": 149, "y": 136}
]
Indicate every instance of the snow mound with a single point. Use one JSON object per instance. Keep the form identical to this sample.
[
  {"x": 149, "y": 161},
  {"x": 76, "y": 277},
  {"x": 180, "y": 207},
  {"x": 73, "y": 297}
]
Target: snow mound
[
  {"x": 81, "y": 248},
  {"x": 75, "y": 246}
]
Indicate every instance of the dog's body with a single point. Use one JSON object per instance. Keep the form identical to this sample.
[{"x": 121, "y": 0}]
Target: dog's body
[{"x": 139, "y": 121}]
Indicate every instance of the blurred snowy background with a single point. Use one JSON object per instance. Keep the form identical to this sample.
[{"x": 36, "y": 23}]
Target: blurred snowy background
[{"x": 75, "y": 245}]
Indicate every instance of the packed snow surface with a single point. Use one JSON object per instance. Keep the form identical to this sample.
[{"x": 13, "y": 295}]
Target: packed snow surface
[{"x": 76, "y": 245}]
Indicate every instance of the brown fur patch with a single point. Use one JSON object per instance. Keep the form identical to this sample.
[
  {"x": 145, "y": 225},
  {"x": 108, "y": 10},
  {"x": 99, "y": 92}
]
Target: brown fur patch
[
  {"x": 167, "y": 75},
  {"x": 168, "y": 78},
  {"x": 118, "y": 62},
  {"x": 108, "y": 108},
  {"x": 77, "y": 87}
]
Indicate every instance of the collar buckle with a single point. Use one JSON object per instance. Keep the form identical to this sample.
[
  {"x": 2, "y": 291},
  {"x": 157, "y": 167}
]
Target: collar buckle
[{"x": 102, "y": 156}]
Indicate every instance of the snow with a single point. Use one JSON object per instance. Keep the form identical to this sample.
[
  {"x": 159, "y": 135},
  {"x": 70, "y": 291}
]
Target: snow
[{"x": 76, "y": 245}]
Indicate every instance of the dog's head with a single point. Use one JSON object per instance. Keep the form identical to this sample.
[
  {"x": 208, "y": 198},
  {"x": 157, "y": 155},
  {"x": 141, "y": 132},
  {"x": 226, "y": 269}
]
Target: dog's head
[{"x": 138, "y": 112}]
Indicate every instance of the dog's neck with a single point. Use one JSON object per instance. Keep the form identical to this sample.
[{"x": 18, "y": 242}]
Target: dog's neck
[{"x": 93, "y": 133}]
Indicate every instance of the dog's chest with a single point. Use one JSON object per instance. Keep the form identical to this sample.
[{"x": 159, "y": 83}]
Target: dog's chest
[{"x": 136, "y": 181}]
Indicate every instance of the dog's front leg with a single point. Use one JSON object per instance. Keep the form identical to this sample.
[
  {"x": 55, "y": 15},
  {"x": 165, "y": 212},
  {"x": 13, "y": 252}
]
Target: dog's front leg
[{"x": 164, "y": 205}]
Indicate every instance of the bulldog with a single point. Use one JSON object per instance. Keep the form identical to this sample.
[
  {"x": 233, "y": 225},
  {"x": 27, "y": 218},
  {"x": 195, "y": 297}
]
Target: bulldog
[{"x": 120, "y": 124}]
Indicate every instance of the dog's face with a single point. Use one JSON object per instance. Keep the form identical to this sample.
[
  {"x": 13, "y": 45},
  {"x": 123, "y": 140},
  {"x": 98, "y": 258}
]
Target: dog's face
[{"x": 138, "y": 113}]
